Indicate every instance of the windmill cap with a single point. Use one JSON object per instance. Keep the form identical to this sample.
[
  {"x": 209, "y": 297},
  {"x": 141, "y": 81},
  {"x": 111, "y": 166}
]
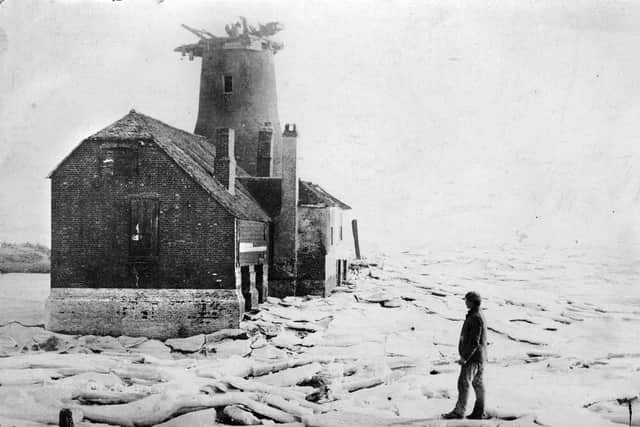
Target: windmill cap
[{"x": 472, "y": 296}]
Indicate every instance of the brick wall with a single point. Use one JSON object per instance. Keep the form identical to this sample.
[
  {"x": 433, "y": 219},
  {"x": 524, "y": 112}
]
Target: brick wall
[
  {"x": 312, "y": 248},
  {"x": 90, "y": 214},
  {"x": 285, "y": 241},
  {"x": 317, "y": 252},
  {"x": 312, "y": 251}
]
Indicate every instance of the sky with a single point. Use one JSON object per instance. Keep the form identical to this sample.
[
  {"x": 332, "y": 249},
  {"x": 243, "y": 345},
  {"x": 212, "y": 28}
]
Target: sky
[{"x": 442, "y": 123}]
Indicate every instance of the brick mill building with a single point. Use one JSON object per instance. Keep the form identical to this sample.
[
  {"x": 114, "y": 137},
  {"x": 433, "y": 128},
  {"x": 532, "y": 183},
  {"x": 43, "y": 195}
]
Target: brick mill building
[{"x": 160, "y": 232}]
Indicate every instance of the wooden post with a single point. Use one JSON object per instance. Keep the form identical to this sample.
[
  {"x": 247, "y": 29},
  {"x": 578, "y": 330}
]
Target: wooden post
[
  {"x": 65, "y": 418},
  {"x": 253, "y": 289},
  {"x": 354, "y": 226}
]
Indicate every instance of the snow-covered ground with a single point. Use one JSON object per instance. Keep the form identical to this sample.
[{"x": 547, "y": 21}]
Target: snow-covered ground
[
  {"x": 564, "y": 324},
  {"x": 564, "y": 339}
]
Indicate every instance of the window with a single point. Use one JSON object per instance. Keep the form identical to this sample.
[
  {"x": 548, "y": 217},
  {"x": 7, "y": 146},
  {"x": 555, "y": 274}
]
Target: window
[
  {"x": 118, "y": 160},
  {"x": 340, "y": 232},
  {"x": 332, "y": 236},
  {"x": 143, "y": 228},
  {"x": 228, "y": 84}
]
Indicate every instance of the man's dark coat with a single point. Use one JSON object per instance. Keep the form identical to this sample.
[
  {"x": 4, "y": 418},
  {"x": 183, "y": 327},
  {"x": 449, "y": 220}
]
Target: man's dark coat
[{"x": 473, "y": 337}]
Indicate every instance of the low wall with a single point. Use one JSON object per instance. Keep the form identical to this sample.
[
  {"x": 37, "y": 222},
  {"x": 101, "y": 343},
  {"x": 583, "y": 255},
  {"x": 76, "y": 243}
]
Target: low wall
[
  {"x": 153, "y": 313},
  {"x": 301, "y": 287}
]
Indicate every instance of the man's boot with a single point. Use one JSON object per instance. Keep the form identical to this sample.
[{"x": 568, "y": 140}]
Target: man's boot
[
  {"x": 453, "y": 415},
  {"x": 478, "y": 416}
]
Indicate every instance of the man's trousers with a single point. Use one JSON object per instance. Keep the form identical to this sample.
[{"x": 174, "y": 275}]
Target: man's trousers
[{"x": 470, "y": 375}]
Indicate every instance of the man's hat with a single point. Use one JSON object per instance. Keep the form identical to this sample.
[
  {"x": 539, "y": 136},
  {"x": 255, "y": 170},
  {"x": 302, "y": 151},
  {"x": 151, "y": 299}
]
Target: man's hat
[{"x": 473, "y": 297}]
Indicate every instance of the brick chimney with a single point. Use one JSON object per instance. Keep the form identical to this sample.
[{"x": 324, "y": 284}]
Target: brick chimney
[
  {"x": 285, "y": 247},
  {"x": 265, "y": 147},
  {"x": 224, "y": 166}
]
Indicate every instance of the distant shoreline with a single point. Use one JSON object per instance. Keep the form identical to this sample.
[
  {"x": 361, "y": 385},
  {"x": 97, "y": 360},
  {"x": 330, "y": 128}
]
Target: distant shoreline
[{"x": 24, "y": 258}]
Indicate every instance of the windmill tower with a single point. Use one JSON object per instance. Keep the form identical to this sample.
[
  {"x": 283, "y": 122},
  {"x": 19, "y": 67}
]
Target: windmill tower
[{"x": 238, "y": 90}]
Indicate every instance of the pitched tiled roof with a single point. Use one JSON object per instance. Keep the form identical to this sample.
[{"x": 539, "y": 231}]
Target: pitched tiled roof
[
  {"x": 193, "y": 153},
  {"x": 314, "y": 195}
]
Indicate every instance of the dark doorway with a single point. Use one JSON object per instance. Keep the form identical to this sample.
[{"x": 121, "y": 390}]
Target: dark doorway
[
  {"x": 143, "y": 229},
  {"x": 338, "y": 271},
  {"x": 246, "y": 287},
  {"x": 228, "y": 84},
  {"x": 259, "y": 282},
  {"x": 344, "y": 270}
]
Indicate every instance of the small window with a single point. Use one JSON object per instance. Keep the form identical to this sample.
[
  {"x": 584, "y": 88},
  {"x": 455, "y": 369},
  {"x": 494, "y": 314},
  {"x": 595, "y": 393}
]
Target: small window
[
  {"x": 118, "y": 161},
  {"x": 228, "y": 84},
  {"x": 331, "y": 235},
  {"x": 341, "y": 232}
]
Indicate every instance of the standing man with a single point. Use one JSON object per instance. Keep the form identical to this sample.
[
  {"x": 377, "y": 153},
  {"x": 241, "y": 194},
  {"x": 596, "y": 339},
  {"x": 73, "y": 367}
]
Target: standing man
[{"x": 473, "y": 353}]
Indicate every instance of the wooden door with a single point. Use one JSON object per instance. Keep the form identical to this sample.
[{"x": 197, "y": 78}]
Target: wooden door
[
  {"x": 143, "y": 229},
  {"x": 245, "y": 286}
]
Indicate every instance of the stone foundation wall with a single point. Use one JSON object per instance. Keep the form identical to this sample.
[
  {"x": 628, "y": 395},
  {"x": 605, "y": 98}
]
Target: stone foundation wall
[{"x": 153, "y": 313}]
